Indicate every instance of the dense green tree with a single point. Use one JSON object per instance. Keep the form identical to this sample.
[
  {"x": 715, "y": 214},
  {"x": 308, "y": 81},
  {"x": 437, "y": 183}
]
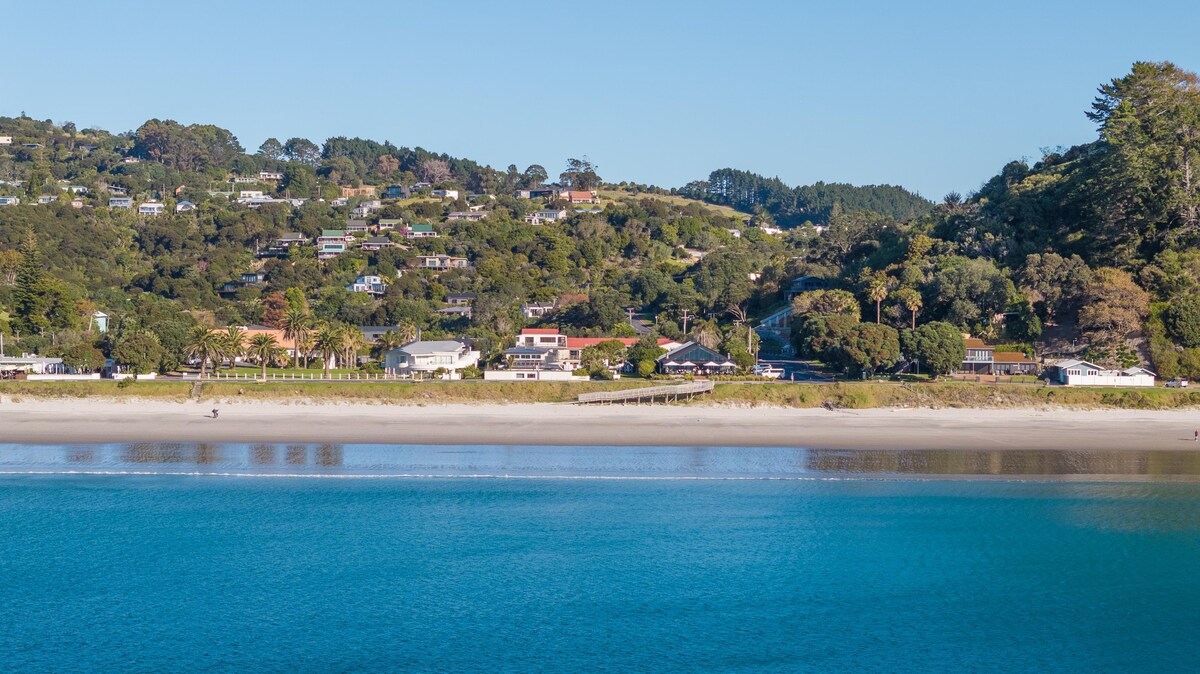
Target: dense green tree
[
  {"x": 31, "y": 303},
  {"x": 1183, "y": 320},
  {"x": 937, "y": 346},
  {"x": 139, "y": 351}
]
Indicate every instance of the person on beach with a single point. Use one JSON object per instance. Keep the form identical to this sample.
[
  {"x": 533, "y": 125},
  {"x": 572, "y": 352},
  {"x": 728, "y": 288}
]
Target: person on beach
[{"x": 215, "y": 412}]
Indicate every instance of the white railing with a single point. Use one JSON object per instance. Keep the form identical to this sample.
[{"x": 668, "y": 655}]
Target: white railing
[{"x": 647, "y": 393}]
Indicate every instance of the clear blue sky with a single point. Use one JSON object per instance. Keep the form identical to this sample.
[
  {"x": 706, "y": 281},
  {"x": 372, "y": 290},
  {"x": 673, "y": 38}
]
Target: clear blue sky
[{"x": 935, "y": 97}]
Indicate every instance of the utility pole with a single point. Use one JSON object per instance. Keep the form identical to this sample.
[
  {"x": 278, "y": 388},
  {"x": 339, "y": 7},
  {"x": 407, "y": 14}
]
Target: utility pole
[
  {"x": 629, "y": 310},
  {"x": 686, "y": 315}
]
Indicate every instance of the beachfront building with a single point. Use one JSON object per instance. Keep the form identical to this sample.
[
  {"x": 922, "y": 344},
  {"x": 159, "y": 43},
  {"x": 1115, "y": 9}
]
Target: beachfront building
[
  {"x": 1073, "y": 372},
  {"x": 548, "y": 349},
  {"x": 425, "y": 358},
  {"x": 697, "y": 359},
  {"x": 981, "y": 358}
]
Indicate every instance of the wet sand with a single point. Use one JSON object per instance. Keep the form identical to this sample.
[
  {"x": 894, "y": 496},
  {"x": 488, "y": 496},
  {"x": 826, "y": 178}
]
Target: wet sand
[{"x": 83, "y": 421}]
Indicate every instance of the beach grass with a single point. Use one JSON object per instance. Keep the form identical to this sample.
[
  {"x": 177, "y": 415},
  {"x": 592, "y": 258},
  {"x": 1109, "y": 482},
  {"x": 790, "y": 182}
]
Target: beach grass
[{"x": 849, "y": 395}]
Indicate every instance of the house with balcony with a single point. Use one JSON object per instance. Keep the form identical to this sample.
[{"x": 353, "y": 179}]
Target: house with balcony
[
  {"x": 440, "y": 262},
  {"x": 469, "y": 216},
  {"x": 388, "y": 224},
  {"x": 547, "y": 348},
  {"x": 445, "y": 194},
  {"x": 331, "y": 243},
  {"x": 270, "y": 175},
  {"x": 10, "y": 201},
  {"x": 982, "y": 359},
  {"x": 369, "y": 284},
  {"x": 374, "y": 243},
  {"x": 121, "y": 202},
  {"x": 546, "y": 216},
  {"x": 537, "y": 310},
  {"x": 804, "y": 284},
  {"x": 419, "y": 232},
  {"x": 356, "y": 227},
  {"x": 536, "y": 193},
  {"x": 425, "y": 358},
  {"x": 151, "y": 208}
]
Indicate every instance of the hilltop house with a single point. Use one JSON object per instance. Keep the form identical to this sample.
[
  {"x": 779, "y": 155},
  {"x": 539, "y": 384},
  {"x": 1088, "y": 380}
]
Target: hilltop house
[
  {"x": 374, "y": 243},
  {"x": 542, "y": 217},
  {"x": 1073, "y": 372},
  {"x": 427, "y": 357},
  {"x": 460, "y": 299},
  {"x": 396, "y": 192},
  {"x": 388, "y": 224},
  {"x": 446, "y": 194},
  {"x": 331, "y": 243},
  {"x": 121, "y": 202},
  {"x": 184, "y": 207},
  {"x": 291, "y": 239},
  {"x": 368, "y": 283},
  {"x": 356, "y": 227},
  {"x": 983, "y": 359},
  {"x": 151, "y": 208},
  {"x": 470, "y": 216},
  {"x": 363, "y": 191},
  {"x": 419, "y": 232},
  {"x": 270, "y": 175},
  {"x": 803, "y": 284},
  {"x": 693, "y": 358},
  {"x": 536, "y": 193},
  {"x": 440, "y": 262},
  {"x": 5, "y": 140},
  {"x": 536, "y": 310},
  {"x": 10, "y": 201},
  {"x": 579, "y": 197}
]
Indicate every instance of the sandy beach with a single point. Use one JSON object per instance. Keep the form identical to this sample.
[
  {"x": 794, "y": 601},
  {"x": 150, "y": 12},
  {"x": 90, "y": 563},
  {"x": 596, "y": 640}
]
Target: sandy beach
[{"x": 82, "y": 421}]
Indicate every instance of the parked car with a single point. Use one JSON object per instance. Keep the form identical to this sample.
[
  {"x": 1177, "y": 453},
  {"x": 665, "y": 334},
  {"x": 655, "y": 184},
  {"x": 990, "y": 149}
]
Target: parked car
[
  {"x": 765, "y": 370},
  {"x": 1177, "y": 383}
]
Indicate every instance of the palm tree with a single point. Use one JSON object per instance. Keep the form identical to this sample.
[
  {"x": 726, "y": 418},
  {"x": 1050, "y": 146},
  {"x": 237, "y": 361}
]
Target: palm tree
[
  {"x": 297, "y": 325},
  {"x": 328, "y": 342},
  {"x": 877, "y": 291},
  {"x": 305, "y": 347},
  {"x": 911, "y": 299},
  {"x": 265, "y": 348},
  {"x": 206, "y": 345},
  {"x": 352, "y": 341},
  {"x": 235, "y": 344}
]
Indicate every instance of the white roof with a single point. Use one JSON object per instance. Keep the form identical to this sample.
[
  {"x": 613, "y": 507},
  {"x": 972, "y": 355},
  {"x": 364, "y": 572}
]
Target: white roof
[{"x": 431, "y": 347}]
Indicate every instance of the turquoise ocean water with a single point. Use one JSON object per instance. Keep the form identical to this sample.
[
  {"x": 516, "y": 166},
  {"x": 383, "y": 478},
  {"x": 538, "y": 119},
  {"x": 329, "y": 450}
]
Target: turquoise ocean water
[{"x": 841, "y": 563}]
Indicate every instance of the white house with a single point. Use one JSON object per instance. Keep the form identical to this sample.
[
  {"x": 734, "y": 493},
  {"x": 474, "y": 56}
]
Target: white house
[
  {"x": 270, "y": 175},
  {"x": 10, "y": 201},
  {"x": 151, "y": 208},
  {"x": 184, "y": 207},
  {"x": 250, "y": 194},
  {"x": 541, "y": 217},
  {"x": 1072, "y": 372},
  {"x": 428, "y": 357},
  {"x": 446, "y": 194},
  {"x": 46, "y": 199},
  {"x": 5, "y": 140},
  {"x": 368, "y": 283},
  {"x": 121, "y": 202}
]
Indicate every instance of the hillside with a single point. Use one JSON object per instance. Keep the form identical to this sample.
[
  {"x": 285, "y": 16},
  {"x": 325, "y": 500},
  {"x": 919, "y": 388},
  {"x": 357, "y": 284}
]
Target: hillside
[{"x": 171, "y": 226}]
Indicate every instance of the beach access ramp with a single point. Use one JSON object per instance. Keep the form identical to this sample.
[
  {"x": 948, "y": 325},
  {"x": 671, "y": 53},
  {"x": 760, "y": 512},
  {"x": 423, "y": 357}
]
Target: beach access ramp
[{"x": 648, "y": 394}]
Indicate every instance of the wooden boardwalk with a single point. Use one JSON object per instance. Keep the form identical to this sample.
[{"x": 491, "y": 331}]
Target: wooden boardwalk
[{"x": 648, "y": 394}]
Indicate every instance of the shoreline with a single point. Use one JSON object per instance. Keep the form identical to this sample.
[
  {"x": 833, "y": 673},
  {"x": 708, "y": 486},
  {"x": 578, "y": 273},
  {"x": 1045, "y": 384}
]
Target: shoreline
[{"x": 81, "y": 421}]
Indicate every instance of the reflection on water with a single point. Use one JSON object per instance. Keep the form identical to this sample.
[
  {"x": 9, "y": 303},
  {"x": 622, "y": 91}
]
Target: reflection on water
[
  {"x": 1006, "y": 462},
  {"x": 603, "y": 462}
]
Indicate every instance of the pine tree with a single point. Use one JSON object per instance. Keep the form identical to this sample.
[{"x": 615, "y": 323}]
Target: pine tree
[{"x": 31, "y": 302}]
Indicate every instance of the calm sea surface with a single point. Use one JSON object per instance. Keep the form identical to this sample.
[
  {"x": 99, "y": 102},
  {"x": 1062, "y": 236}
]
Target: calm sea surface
[{"x": 151, "y": 558}]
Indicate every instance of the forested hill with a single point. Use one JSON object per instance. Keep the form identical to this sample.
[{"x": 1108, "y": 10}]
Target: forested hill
[{"x": 814, "y": 203}]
